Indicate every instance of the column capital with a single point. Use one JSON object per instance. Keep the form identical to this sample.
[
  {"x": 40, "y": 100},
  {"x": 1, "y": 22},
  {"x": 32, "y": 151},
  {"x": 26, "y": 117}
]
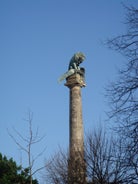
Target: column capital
[{"x": 75, "y": 79}]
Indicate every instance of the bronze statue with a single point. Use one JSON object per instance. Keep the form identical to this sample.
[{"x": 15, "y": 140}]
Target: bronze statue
[
  {"x": 76, "y": 60},
  {"x": 74, "y": 63}
]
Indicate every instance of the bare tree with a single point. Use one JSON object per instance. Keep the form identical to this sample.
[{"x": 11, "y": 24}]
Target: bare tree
[
  {"x": 103, "y": 159},
  {"x": 57, "y": 168},
  {"x": 29, "y": 141},
  {"x": 123, "y": 94}
]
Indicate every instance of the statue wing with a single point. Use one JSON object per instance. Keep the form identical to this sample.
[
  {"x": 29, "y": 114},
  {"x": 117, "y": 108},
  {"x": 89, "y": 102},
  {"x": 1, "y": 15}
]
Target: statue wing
[{"x": 65, "y": 75}]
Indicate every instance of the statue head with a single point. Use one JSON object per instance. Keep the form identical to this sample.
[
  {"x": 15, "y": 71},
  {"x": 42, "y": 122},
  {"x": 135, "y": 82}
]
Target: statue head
[{"x": 79, "y": 57}]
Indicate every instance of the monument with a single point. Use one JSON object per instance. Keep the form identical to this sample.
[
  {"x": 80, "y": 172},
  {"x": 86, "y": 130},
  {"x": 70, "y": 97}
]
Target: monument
[{"x": 75, "y": 80}]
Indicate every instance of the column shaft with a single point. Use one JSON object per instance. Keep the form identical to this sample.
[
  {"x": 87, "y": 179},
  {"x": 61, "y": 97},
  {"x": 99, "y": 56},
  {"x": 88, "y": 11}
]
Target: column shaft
[{"x": 76, "y": 164}]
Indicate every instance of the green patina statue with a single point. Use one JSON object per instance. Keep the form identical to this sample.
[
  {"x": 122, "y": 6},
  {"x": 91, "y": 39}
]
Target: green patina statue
[
  {"x": 76, "y": 60},
  {"x": 73, "y": 67}
]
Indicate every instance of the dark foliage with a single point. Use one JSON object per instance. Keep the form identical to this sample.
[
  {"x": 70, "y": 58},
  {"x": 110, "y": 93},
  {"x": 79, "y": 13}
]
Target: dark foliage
[{"x": 11, "y": 173}]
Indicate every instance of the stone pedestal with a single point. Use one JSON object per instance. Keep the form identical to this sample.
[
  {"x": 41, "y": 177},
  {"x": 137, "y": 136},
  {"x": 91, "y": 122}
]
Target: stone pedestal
[{"x": 76, "y": 165}]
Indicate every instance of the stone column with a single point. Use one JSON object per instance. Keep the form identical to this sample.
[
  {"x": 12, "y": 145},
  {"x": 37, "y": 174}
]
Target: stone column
[{"x": 76, "y": 164}]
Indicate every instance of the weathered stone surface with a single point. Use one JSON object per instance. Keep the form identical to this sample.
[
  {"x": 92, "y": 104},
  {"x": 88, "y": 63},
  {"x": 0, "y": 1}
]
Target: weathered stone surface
[
  {"x": 76, "y": 169},
  {"x": 75, "y": 79},
  {"x": 76, "y": 126}
]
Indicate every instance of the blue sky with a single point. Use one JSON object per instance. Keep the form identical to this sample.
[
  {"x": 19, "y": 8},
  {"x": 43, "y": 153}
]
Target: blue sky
[{"x": 37, "y": 40}]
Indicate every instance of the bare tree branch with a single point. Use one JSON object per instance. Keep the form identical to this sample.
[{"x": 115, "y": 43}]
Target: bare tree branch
[
  {"x": 32, "y": 139},
  {"x": 123, "y": 94}
]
